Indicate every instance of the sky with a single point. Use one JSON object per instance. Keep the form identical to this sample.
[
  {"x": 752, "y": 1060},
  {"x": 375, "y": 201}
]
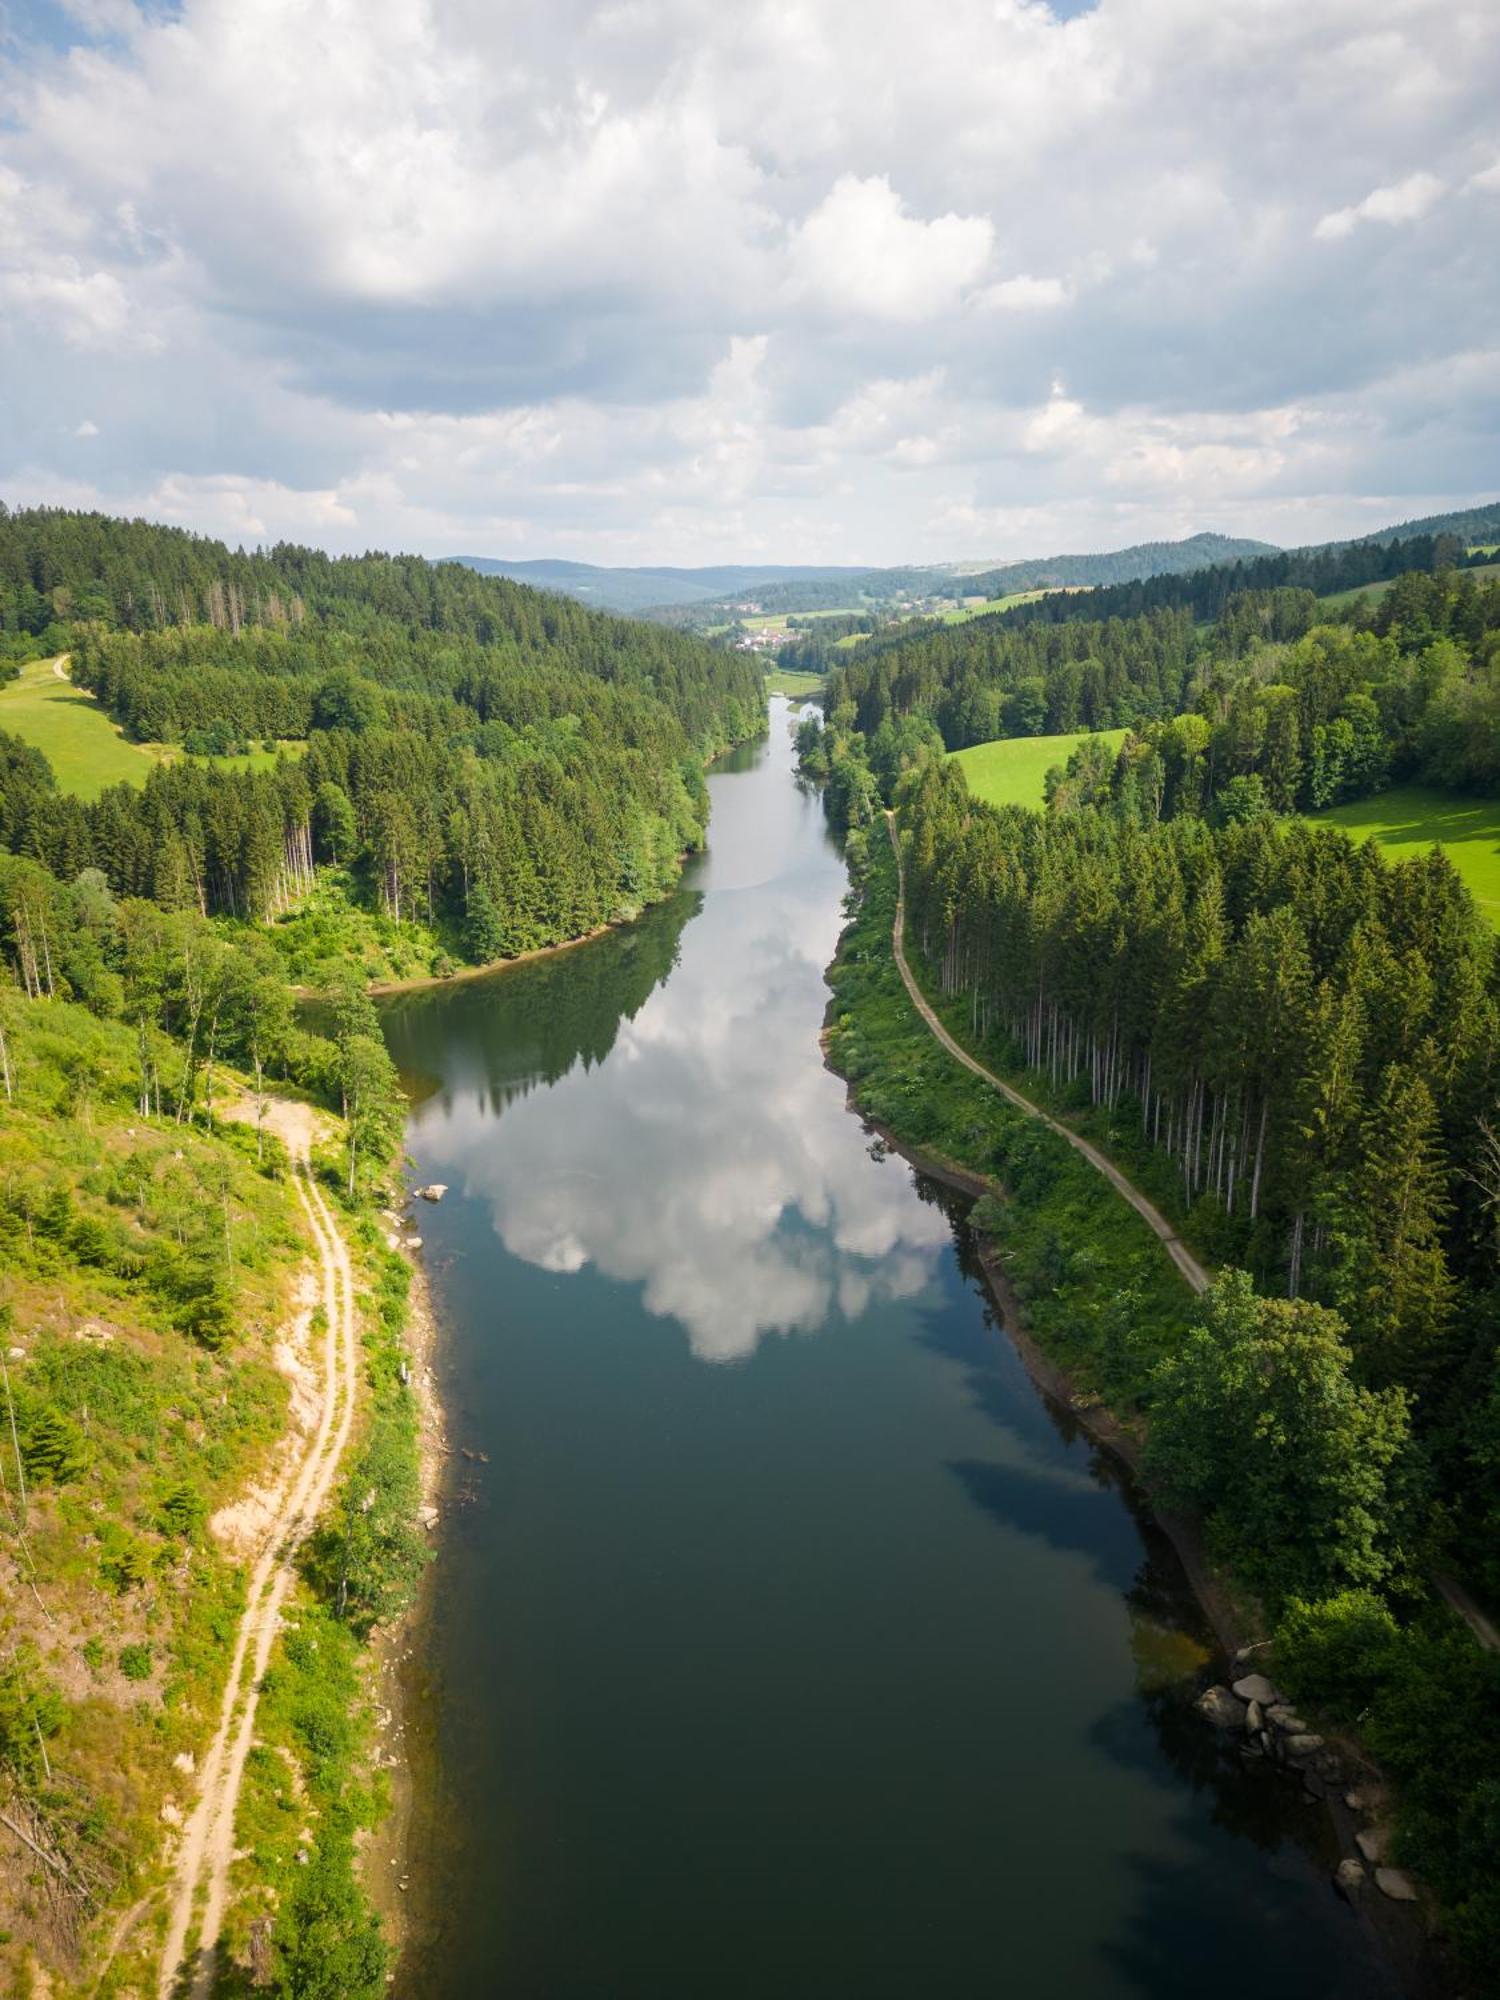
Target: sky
[{"x": 682, "y": 281}]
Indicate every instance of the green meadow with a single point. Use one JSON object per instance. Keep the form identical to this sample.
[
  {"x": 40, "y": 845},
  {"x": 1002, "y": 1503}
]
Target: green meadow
[
  {"x": 991, "y": 605},
  {"x": 1013, "y": 771},
  {"x": 785, "y": 680},
  {"x": 1413, "y": 818},
  {"x": 1337, "y": 599},
  {"x": 87, "y": 751}
]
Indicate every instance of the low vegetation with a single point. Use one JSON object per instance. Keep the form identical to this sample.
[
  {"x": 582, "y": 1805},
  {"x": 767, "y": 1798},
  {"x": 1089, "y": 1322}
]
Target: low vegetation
[{"x": 150, "y": 1249}]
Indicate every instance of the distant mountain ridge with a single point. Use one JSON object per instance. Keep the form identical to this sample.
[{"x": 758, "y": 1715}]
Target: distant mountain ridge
[
  {"x": 1468, "y": 524},
  {"x": 793, "y": 587},
  {"x": 653, "y": 588},
  {"x": 1115, "y": 566},
  {"x": 678, "y": 594}
]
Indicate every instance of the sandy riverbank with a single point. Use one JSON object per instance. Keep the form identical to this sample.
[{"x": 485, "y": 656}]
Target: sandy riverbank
[{"x": 400, "y": 1680}]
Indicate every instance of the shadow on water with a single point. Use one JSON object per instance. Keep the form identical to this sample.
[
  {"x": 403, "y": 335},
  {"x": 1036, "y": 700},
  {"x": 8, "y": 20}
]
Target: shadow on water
[{"x": 1156, "y": 1734}]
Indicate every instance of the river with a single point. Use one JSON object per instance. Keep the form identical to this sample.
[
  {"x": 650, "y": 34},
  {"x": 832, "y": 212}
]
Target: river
[{"x": 784, "y": 1642}]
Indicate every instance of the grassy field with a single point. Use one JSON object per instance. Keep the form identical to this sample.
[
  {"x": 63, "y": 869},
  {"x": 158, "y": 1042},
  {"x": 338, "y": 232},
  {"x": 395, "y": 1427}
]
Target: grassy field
[
  {"x": 967, "y": 611},
  {"x": 1336, "y": 600},
  {"x": 1013, "y": 771},
  {"x": 86, "y": 750},
  {"x": 1412, "y": 818},
  {"x": 785, "y": 680}
]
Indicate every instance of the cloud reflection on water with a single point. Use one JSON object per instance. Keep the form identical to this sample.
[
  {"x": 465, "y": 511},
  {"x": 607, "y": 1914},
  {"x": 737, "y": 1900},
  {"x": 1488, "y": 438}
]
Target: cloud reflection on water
[{"x": 711, "y": 1159}]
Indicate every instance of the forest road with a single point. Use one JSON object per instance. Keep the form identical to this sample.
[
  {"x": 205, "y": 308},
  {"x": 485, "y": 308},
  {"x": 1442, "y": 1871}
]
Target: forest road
[
  {"x": 1175, "y": 1248},
  {"x": 1449, "y": 1588},
  {"x": 207, "y": 1852}
]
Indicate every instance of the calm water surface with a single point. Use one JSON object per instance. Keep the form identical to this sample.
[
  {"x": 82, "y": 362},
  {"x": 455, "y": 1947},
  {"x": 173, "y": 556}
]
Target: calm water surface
[{"x": 787, "y": 1644}]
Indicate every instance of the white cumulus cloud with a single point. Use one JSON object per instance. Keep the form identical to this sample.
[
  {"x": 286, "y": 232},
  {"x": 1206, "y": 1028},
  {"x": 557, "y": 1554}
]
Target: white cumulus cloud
[
  {"x": 1405, "y": 201},
  {"x": 675, "y": 281}
]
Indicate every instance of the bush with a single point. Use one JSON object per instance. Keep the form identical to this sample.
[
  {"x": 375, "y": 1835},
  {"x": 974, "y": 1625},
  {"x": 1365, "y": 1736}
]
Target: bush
[
  {"x": 1333, "y": 1652},
  {"x": 135, "y": 1662},
  {"x": 31, "y": 1710}
]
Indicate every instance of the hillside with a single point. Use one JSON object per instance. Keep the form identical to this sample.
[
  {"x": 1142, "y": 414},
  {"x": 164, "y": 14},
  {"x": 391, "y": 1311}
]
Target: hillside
[
  {"x": 446, "y": 767},
  {"x": 1114, "y": 566},
  {"x": 481, "y": 768},
  {"x": 1469, "y": 524},
  {"x": 159, "y": 1367},
  {"x": 648, "y": 589}
]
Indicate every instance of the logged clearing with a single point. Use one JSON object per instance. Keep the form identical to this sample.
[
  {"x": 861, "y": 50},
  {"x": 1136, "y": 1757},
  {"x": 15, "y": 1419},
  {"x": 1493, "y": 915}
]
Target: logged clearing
[
  {"x": 1013, "y": 771},
  {"x": 1413, "y": 818}
]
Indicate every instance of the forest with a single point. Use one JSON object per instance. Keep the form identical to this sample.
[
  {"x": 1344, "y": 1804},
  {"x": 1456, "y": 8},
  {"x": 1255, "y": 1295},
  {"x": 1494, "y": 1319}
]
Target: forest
[
  {"x": 477, "y": 765},
  {"x": 507, "y": 769},
  {"x": 1294, "y": 1046}
]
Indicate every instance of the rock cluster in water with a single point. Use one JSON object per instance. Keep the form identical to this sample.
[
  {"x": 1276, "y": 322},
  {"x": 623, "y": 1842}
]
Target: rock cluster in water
[{"x": 1272, "y": 1728}]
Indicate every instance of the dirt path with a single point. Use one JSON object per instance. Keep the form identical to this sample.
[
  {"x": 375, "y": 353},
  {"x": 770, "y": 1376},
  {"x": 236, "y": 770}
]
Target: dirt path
[
  {"x": 207, "y": 1850},
  {"x": 1176, "y": 1249},
  {"x": 1449, "y": 1588}
]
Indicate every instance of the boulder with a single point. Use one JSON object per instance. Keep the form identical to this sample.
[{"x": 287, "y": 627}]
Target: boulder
[
  {"x": 1366, "y": 1798},
  {"x": 1373, "y": 1843},
  {"x": 1255, "y": 1687},
  {"x": 1349, "y": 1878},
  {"x": 1396, "y": 1884},
  {"x": 434, "y": 1192},
  {"x": 1281, "y": 1717},
  {"x": 1218, "y": 1706},
  {"x": 1302, "y": 1746},
  {"x": 1255, "y": 1718}
]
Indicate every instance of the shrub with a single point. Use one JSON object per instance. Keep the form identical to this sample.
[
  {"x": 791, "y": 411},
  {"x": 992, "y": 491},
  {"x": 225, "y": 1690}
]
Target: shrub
[
  {"x": 135, "y": 1662},
  {"x": 1334, "y": 1651}
]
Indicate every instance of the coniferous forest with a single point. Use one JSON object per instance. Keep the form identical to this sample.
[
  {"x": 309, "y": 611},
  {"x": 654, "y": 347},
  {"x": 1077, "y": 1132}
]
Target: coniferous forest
[
  {"x": 508, "y": 768},
  {"x": 1296, "y": 1043}
]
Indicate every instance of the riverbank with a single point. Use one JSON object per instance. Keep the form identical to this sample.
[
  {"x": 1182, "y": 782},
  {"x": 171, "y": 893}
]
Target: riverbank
[
  {"x": 1080, "y": 1297},
  {"x": 399, "y": 1681},
  {"x": 382, "y": 989},
  {"x": 1235, "y": 1624}
]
